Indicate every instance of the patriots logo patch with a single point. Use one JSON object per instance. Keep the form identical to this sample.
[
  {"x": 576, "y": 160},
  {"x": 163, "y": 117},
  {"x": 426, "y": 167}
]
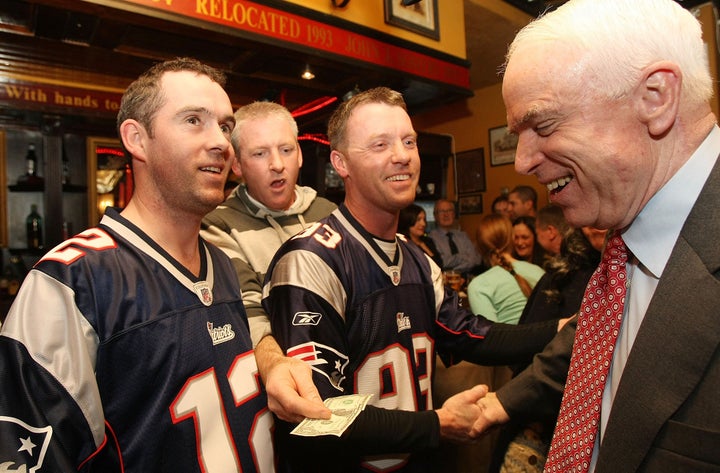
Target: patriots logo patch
[
  {"x": 306, "y": 318},
  {"x": 324, "y": 360},
  {"x": 32, "y": 444},
  {"x": 217, "y": 334},
  {"x": 403, "y": 321}
]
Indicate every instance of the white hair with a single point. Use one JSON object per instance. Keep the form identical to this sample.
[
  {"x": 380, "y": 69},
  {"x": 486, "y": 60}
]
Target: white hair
[{"x": 616, "y": 39}]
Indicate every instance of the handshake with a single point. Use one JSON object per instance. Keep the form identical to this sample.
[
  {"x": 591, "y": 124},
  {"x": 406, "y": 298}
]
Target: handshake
[{"x": 468, "y": 415}]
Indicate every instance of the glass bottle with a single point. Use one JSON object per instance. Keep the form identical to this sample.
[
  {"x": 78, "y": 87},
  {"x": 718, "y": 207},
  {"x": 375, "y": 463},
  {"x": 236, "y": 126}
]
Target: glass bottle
[
  {"x": 32, "y": 169},
  {"x": 31, "y": 161},
  {"x": 33, "y": 227}
]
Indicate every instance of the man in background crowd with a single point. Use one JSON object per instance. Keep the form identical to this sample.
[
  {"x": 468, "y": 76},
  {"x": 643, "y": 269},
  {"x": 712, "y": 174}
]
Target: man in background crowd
[
  {"x": 456, "y": 249},
  {"x": 522, "y": 202}
]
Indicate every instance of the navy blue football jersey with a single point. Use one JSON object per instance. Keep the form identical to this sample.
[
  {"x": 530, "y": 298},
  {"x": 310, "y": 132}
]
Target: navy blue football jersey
[
  {"x": 364, "y": 321},
  {"x": 114, "y": 357}
]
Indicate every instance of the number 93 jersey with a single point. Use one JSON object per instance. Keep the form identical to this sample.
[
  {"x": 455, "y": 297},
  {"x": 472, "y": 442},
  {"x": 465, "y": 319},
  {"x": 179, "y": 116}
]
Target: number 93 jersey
[
  {"x": 363, "y": 321},
  {"x": 114, "y": 357}
]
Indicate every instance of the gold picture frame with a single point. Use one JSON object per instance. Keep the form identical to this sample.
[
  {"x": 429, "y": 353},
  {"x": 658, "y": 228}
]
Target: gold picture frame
[{"x": 420, "y": 18}]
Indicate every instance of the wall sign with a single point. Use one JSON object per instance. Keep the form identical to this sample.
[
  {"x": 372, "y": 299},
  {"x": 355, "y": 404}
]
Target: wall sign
[{"x": 291, "y": 28}]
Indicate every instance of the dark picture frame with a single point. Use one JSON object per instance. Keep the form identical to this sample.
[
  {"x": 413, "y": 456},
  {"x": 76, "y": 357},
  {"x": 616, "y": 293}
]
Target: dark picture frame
[
  {"x": 470, "y": 204},
  {"x": 470, "y": 171},
  {"x": 503, "y": 145},
  {"x": 420, "y": 18}
]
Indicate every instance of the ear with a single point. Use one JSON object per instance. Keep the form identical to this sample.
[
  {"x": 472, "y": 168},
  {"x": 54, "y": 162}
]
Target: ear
[
  {"x": 659, "y": 96},
  {"x": 133, "y": 136},
  {"x": 338, "y": 161},
  {"x": 300, "y": 159},
  {"x": 236, "y": 166},
  {"x": 553, "y": 231}
]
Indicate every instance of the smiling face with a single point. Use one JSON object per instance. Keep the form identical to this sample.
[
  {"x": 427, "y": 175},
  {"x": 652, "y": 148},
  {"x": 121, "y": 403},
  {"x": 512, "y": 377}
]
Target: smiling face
[
  {"x": 588, "y": 150},
  {"x": 444, "y": 214},
  {"x": 380, "y": 164},
  {"x": 523, "y": 241},
  {"x": 269, "y": 160},
  {"x": 418, "y": 229},
  {"x": 187, "y": 158}
]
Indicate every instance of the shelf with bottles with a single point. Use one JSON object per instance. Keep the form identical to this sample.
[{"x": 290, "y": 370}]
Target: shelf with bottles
[{"x": 46, "y": 178}]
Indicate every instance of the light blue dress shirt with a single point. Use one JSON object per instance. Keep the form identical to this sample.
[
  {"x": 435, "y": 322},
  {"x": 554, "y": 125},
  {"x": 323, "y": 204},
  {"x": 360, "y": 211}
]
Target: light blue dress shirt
[{"x": 650, "y": 239}]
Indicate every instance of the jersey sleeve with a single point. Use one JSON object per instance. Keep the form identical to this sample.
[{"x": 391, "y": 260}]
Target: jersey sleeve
[
  {"x": 296, "y": 301},
  {"x": 375, "y": 431},
  {"x": 50, "y": 409},
  {"x": 462, "y": 335}
]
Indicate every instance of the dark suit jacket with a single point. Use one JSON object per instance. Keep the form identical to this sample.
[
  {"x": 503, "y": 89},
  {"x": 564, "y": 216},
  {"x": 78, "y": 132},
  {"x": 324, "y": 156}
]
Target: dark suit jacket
[{"x": 666, "y": 413}]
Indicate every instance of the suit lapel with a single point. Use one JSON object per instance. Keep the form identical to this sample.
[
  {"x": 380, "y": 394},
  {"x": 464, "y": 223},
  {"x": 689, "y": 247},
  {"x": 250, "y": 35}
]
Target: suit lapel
[{"x": 676, "y": 340}]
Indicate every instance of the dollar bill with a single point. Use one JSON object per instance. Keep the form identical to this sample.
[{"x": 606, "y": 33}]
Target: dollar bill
[{"x": 344, "y": 411}]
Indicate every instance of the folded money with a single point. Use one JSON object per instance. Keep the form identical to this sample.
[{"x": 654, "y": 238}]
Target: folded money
[{"x": 344, "y": 411}]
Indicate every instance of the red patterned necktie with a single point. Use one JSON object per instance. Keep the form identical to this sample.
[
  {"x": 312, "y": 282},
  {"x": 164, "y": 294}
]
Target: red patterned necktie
[{"x": 598, "y": 326}]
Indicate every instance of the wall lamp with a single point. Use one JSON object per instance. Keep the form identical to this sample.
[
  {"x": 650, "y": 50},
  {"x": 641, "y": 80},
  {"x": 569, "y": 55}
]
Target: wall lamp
[{"x": 307, "y": 73}]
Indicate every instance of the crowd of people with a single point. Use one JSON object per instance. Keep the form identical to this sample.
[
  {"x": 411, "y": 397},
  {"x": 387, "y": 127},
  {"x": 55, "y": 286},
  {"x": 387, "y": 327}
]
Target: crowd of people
[{"x": 194, "y": 329}]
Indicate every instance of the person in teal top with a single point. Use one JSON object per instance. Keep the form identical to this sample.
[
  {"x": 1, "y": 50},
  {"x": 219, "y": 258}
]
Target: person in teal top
[{"x": 501, "y": 292}]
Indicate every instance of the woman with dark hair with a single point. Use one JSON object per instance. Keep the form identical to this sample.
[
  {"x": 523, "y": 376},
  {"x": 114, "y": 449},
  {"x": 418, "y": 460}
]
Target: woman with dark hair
[
  {"x": 525, "y": 244},
  {"x": 412, "y": 224}
]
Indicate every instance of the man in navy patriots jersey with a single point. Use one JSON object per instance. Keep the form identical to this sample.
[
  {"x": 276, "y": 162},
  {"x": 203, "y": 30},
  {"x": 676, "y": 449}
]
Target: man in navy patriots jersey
[
  {"x": 127, "y": 348},
  {"x": 367, "y": 311}
]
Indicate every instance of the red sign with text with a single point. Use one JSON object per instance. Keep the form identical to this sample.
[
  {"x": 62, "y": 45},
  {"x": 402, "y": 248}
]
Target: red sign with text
[{"x": 291, "y": 28}]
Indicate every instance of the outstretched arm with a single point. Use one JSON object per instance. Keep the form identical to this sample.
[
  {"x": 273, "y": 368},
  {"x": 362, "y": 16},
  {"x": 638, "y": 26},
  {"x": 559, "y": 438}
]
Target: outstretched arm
[{"x": 538, "y": 389}]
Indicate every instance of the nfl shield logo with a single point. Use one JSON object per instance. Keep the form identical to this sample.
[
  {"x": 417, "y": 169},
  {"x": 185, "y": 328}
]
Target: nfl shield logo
[
  {"x": 394, "y": 275},
  {"x": 202, "y": 289}
]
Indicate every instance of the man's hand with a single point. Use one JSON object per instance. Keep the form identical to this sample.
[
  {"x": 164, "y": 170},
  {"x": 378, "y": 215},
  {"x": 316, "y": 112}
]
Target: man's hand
[
  {"x": 460, "y": 413},
  {"x": 492, "y": 413},
  {"x": 292, "y": 395}
]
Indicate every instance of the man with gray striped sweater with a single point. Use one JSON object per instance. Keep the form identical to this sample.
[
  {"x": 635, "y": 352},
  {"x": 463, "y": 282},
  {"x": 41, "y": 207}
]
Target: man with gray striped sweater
[{"x": 266, "y": 209}]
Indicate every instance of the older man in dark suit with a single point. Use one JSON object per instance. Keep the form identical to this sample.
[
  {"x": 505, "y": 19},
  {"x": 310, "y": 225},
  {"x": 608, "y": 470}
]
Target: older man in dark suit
[{"x": 610, "y": 101}]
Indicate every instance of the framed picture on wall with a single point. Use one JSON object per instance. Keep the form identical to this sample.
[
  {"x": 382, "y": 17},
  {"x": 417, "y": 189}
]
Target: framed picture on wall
[
  {"x": 470, "y": 171},
  {"x": 470, "y": 204},
  {"x": 421, "y": 17},
  {"x": 502, "y": 146}
]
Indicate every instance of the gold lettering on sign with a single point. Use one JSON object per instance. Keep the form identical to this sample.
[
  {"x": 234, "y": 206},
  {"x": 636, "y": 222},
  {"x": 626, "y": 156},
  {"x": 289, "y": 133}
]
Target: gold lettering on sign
[
  {"x": 75, "y": 101},
  {"x": 360, "y": 47},
  {"x": 27, "y": 94},
  {"x": 236, "y": 12},
  {"x": 317, "y": 34}
]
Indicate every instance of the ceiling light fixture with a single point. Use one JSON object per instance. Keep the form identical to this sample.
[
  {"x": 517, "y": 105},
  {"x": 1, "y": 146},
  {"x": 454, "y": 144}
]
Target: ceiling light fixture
[{"x": 307, "y": 73}]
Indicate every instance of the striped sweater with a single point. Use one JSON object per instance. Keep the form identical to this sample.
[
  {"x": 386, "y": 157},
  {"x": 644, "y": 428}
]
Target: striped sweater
[{"x": 250, "y": 234}]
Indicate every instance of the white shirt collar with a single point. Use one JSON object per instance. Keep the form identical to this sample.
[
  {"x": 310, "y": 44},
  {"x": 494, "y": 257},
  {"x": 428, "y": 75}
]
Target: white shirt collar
[{"x": 652, "y": 235}]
